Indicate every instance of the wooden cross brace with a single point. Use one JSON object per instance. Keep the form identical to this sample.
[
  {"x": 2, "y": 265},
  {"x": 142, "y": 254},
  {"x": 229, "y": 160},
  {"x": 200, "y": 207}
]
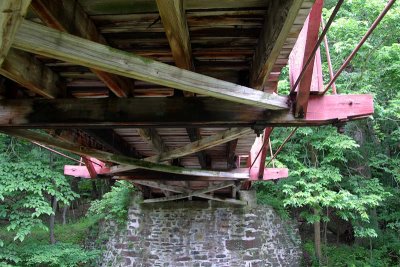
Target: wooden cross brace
[{"x": 185, "y": 192}]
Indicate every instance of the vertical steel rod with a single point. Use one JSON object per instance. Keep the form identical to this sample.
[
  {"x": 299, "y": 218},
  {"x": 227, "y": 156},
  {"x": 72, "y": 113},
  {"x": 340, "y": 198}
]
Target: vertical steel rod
[{"x": 328, "y": 58}]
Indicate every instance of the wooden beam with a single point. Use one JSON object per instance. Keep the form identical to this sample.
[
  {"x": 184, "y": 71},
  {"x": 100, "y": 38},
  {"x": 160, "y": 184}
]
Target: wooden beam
[
  {"x": 278, "y": 23},
  {"x": 48, "y": 42},
  {"x": 173, "y": 18},
  {"x": 151, "y": 136},
  {"x": 118, "y": 159},
  {"x": 26, "y": 70},
  {"x": 230, "y": 154},
  {"x": 194, "y": 147},
  {"x": 81, "y": 171},
  {"x": 12, "y": 13},
  {"x": 204, "y": 159},
  {"x": 312, "y": 28},
  {"x": 69, "y": 16},
  {"x": 173, "y": 112},
  {"x": 113, "y": 142},
  {"x": 178, "y": 189}
]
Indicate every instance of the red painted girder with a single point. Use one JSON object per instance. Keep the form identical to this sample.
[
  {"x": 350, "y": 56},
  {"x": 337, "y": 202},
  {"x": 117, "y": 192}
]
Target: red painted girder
[
  {"x": 311, "y": 30},
  {"x": 85, "y": 171},
  {"x": 260, "y": 148},
  {"x": 338, "y": 107}
]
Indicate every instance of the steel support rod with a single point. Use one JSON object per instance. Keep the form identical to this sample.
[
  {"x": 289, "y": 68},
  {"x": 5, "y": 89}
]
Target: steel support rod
[
  {"x": 328, "y": 58},
  {"x": 362, "y": 41},
  {"x": 282, "y": 145}
]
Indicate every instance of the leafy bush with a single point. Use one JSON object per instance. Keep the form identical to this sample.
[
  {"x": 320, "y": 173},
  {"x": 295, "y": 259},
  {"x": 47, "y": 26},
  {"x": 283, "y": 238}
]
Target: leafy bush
[
  {"x": 343, "y": 255},
  {"x": 33, "y": 254},
  {"x": 114, "y": 204}
]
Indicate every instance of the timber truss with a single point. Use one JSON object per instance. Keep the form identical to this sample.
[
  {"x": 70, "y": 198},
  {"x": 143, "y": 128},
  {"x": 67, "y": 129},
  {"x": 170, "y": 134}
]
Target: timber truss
[{"x": 170, "y": 94}]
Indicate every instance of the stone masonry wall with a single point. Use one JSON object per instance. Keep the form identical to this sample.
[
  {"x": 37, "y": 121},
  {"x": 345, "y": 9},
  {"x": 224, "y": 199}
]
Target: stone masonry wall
[{"x": 195, "y": 233}]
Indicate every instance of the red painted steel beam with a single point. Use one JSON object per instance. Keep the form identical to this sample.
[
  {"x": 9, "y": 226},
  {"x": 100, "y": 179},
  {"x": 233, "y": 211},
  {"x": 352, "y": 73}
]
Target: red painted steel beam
[
  {"x": 311, "y": 27},
  {"x": 90, "y": 170}
]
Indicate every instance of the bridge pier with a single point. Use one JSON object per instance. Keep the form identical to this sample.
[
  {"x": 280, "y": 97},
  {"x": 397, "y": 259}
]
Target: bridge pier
[{"x": 202, "y": 233}]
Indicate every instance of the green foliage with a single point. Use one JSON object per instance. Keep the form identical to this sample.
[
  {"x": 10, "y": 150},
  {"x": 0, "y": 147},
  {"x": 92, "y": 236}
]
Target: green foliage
[
  {"x": 352, "y": 256},
  {"x": 35, "y": 250},
  {"x": 25, "y": 189},
  {"x": 114, "y": 204},
  {"x": 33, "y": 254}
]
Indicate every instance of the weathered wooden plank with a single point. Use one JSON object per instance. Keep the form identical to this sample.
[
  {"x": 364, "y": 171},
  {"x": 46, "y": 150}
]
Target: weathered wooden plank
[
  {"x": 176, "y": 28},
  {"x": 29, "y": 72},
  {"x": 118, "y": 159},
  {"x": 68, "y": 16},
  {"x": 52, "y": 43},
  {"x": 173, "y": 112},
  {"x": 89, "y": 166},
  {"x": 194, "y": 147},
  {"x": 278, "y": 23},
  {"x": 12, "y": 13}
]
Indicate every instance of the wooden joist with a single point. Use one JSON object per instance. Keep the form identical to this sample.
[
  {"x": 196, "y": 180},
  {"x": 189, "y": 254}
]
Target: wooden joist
[
  {"x": 68, "y": 16},
  {"x": 173, "y": 112},
  {"x": 12, "y": 13},
  {"x": 26, "y": 70},
  {"x": 278, "y": 23},
  {"x": 194, "y": 147},
  {"x": 118, "y": 159},
  {"x": 48, "y": 42}
]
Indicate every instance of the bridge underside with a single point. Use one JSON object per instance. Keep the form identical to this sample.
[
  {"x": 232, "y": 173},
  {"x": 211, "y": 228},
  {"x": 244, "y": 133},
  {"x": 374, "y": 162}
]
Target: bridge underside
[{"x": 167, "y": 94}]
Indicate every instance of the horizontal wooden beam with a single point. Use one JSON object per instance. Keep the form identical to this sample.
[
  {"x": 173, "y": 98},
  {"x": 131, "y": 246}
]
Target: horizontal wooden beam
[
  {"x": 191, "y": 148},
  {"x": 82, "y": 172},
  {"x": 118, "y": 159},
  {"x": 173, "y": 112},
  {"x": 48, "y": 42}
]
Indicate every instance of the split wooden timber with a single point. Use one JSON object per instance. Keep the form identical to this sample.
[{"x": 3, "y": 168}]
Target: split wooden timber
[
  {"x": 277, "y": 26},
  {"x": 118, "y": 159},
  {"x": 184, "y": 190},
  {"x": 68, "y": 16},
  {"x": 173, "y": 112},
  {"x": 200, "y": 145},
  {"x": 48, "y": 42},
  {"x": 12, "y": 13}
]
